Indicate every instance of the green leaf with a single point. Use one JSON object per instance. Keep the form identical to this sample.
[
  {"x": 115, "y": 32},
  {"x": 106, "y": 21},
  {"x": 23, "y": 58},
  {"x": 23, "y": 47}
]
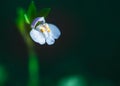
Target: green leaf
[
  {"x": 26, "y": 19},
  {"x": 3, "y": 75},
  {"x": 31, "y": 12},
  {"x": 20, "y": 21},
  {"x": 44, "y": 12},
  {"x": 22, "y": 26}
]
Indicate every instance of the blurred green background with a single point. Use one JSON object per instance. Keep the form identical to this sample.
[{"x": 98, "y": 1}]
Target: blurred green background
[{"x": 86, "y": 54}]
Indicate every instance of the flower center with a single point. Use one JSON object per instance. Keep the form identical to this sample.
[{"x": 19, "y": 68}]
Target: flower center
[{"x": 44, "y": 28}]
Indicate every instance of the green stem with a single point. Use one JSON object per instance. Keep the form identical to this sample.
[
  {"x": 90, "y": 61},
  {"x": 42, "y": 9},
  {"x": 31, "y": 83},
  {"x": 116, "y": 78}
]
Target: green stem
[
  {"x": 33, "y": 69},
  {"x": 33, "y": 65}
]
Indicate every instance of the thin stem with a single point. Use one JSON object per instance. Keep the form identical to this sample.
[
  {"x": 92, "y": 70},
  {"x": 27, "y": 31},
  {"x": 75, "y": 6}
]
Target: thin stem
[{"x": 33, "y": 69}]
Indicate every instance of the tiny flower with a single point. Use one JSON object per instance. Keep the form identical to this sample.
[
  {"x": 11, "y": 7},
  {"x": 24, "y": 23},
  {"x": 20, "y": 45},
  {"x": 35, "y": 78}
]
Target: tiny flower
[{"x": 44, "y": 32}]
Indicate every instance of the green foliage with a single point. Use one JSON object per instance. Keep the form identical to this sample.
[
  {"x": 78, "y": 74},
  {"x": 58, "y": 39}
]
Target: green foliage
[
  {"x": 33, "y": 69},
  {"x": 44, "y": 12},
  {"x": 20, "y": 20},
  {"x": 33, "y": 63},
  {"x": 3, "y": 75},
  {"x": 26, "y": 19},
  {"x": 22, "y": 27},
  {"x": 31, "y": 12}
]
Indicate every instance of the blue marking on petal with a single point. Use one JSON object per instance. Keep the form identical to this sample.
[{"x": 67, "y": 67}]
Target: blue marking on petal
[{"x": 36, "y": 20}]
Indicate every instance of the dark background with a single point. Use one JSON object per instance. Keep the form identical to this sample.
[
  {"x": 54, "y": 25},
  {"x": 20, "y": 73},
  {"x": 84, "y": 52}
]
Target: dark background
[{"x": 89, "y": 44}]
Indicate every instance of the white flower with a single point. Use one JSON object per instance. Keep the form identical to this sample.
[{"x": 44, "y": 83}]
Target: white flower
[{"x": 44, "y": 32}]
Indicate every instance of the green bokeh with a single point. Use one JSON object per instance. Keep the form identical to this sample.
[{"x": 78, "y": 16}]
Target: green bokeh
[
  {"x": 73, "y": 81},
  {"x": 3, "y": 75}
]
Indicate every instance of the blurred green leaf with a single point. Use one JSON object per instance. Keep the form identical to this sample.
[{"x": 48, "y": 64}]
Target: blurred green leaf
[
  {"x": 33, "y": 69},
  {"x": 20, "y": 21},
  {"x": 3, "y": 75},
  {"x": 26, "y": 19},
  {"x": 44, "y": 12},
  {"x": 33, "y": 62},
  {"x": 31, "y": 12},
  {"x": 22, "y": 27}
]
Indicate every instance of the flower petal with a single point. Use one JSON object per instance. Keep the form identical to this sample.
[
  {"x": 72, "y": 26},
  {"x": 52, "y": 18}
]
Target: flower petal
[
  {"x": 55, "y": 31},
  {"x": 36, "y": 20},
  {"x": 37, "y": 36},
  {"x": 50, "y": 40}
]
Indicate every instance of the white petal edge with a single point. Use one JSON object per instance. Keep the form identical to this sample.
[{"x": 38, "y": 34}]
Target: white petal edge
[
  {"x": 50, "y": 40},
  {"x": 55, "y": 31},
  {"x": 37, "y": 36}
]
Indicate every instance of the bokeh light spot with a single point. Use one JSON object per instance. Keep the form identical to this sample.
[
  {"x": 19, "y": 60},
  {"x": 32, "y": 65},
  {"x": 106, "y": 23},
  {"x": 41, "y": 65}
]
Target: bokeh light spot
[{"x": 73, "y": 81}]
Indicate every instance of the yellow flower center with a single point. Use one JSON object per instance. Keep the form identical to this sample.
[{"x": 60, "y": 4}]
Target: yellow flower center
[{"x": 44, "y": 28}]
